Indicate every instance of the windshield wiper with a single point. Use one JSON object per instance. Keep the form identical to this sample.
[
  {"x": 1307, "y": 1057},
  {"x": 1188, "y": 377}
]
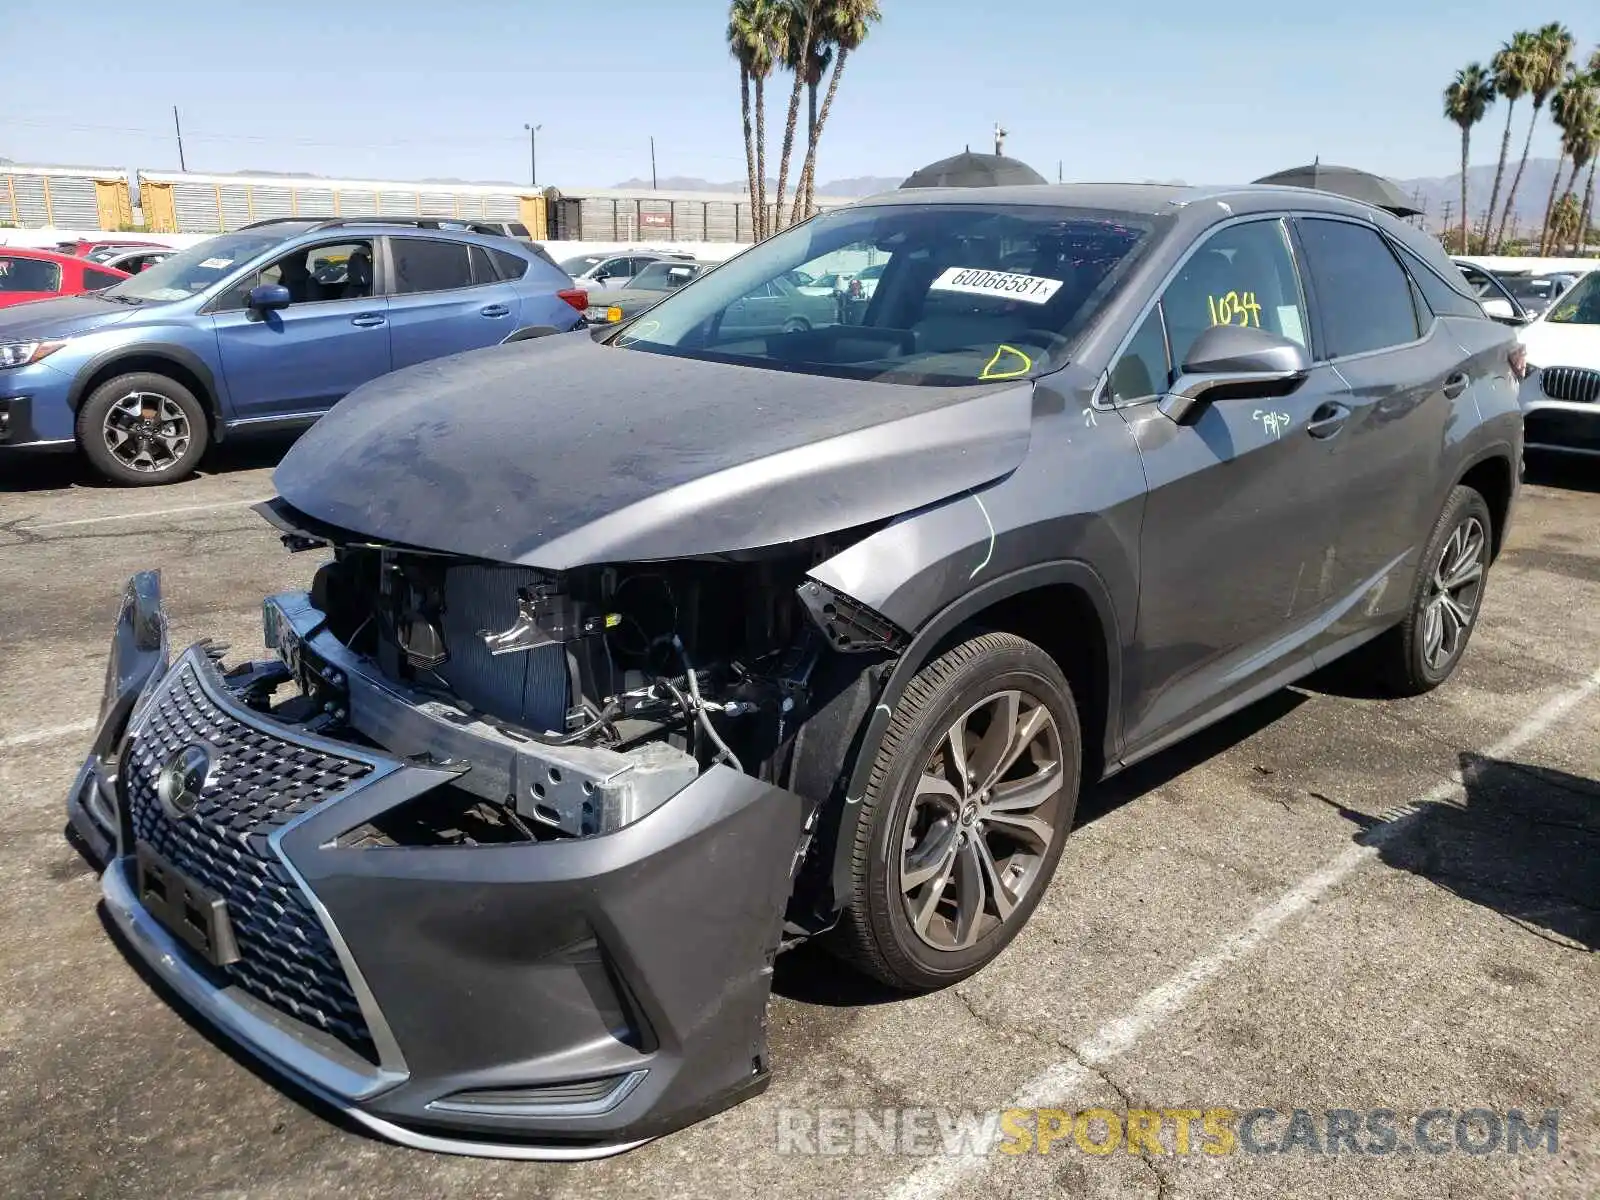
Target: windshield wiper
[{"x": 134, "y": 300}]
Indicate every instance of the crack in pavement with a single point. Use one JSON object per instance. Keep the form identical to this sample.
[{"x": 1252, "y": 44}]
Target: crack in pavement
[{"x": 1060, "y": 1042}]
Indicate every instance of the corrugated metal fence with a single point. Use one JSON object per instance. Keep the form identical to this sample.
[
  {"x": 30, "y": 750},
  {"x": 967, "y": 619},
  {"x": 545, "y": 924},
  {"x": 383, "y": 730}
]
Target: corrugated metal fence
[
  {"x": 174, "y": 202},
  {"x": 64, "y": 197},
  {"x": 179, "y": 203}
]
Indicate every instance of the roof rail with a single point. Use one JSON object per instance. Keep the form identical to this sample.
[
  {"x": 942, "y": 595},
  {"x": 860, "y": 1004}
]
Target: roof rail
[{"x": 462, "y": 223}]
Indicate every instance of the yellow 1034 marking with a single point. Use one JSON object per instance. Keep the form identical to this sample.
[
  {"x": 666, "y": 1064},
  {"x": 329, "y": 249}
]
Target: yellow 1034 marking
[{"x": 1236, "y": 308}]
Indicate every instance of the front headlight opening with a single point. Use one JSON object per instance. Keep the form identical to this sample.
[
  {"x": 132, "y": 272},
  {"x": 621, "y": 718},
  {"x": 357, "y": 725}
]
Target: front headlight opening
[{"x": 20, "y": 354}]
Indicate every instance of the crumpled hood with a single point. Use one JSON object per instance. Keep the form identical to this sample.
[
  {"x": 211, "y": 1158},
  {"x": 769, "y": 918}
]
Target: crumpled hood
[
  {"x": 64, "y": 317},
  {"x": 559, "y": 452}
]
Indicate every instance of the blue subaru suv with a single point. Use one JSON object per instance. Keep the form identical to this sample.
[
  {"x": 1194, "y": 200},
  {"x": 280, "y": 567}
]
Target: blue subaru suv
[{"x": 267, "y": 326}]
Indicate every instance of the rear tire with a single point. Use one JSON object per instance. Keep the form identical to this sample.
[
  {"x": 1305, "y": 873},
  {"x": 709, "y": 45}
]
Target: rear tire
[
  {"x": 1424, "y": 650},
  {"x": 142, "y": 429},
  {"x": 970, "y": 799}
]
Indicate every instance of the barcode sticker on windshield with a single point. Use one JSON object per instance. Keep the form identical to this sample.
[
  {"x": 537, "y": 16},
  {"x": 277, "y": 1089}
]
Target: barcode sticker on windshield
[
  {"x": 216, "y": 264},
  {"x": 1033, "y": 289}
]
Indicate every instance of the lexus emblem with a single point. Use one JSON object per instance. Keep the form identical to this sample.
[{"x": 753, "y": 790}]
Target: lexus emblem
[{"x": 182, "y": 778}]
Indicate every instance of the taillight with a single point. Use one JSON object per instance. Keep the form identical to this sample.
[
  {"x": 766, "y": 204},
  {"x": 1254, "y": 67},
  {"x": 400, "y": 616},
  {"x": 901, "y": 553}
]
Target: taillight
[
  {"x": 577, "y": 297},
  {"x": 1518, "y": 356}
]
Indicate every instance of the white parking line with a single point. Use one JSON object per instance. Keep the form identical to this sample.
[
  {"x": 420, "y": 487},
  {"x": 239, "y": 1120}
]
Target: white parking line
[
  {"x": 135, "y": 516},
  {"x": 50, "y": 734},
  {"x": 1122, "y": 1032}
]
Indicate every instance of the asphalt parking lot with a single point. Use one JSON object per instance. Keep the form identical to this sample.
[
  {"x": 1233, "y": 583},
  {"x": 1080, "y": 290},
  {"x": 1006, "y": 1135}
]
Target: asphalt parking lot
[{"x": 1329, "y": 902}]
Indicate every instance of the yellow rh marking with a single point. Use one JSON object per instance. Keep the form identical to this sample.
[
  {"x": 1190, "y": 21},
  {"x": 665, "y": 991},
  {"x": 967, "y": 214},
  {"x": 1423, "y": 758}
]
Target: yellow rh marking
[{"x": 990, "y": 373}]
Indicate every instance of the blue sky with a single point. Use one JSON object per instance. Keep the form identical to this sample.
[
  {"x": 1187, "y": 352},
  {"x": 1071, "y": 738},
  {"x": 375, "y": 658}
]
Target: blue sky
[{"x": 1159, "y": 90}]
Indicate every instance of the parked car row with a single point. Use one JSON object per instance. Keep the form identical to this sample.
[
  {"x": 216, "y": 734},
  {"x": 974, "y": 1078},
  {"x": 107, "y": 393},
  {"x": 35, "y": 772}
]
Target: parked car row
[{"x": 224, "y": 379}]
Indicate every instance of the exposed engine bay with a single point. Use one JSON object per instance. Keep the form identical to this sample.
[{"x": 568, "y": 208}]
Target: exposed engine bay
[{"x": 572, "y": 704}]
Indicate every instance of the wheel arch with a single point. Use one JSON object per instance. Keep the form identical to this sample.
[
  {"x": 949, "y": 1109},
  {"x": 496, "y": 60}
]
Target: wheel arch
[
  {"x": 1065, "y": 608},
  {"x": 175, "y": 362},
  {"x": 1493, "y": 476}
]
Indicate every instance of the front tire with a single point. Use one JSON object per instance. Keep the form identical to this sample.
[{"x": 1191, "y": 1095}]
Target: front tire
[
  {"x": 142, "y": 429},
  {"x": 970, "y": 799},
  {"x": 1426, "y": 647}
]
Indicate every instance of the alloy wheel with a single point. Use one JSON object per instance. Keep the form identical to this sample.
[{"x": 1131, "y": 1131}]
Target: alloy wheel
[
  {"x": 1452, "y": 599},
  {"x": 981, "y": 819},
  {"x": 146, "y": 431}
]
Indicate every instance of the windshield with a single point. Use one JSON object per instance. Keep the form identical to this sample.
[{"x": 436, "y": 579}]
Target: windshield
[
  {"x": 190, "y": 272},
  {"x": 577, "y": 266},
  {"x": 1581, "y": 305},
  {"x": 965, "y": 293}
]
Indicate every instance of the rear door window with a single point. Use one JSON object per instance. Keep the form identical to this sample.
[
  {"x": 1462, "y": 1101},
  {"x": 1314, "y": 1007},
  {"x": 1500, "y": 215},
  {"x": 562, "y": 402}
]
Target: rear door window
[
  {"x": 1241, "y": 275},
  {"x": 94, "y": 280},
  {"x": 424, "y": 265},
  {"x": 29, "y": 275},
  {"x": 1363, "y": 294}
]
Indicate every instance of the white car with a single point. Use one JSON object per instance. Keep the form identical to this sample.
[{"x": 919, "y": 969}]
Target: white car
[{"x": 1561, "y": 394}]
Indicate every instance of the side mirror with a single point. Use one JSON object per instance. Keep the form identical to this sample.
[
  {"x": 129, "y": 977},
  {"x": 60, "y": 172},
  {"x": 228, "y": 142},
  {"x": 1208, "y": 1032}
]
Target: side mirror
[
  {"x": 267, "y": 297},
  {"x": 1499, "y": 308},
  {"x": 1235, "y": 362}
]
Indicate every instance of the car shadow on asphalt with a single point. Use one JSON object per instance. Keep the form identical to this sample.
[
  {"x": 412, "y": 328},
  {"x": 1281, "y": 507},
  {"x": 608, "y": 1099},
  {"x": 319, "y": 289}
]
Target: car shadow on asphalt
[
  {"x": 1524, "y": 842},
  {"x": 24, "y": 472},
  {"x": 1571, "y": 472}
]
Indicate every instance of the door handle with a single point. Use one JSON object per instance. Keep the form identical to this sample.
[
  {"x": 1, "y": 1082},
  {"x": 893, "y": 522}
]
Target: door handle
[
  {"x": 1455, "y": 385},
  {"x": 367, "y": 320},
  {"x": 1327, "y": 420},
  {"x": 494, "y": 310}
]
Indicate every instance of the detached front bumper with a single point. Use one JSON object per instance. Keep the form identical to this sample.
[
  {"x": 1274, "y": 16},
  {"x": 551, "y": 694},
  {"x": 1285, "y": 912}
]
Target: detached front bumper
[{"x": 547, "y": 1000}]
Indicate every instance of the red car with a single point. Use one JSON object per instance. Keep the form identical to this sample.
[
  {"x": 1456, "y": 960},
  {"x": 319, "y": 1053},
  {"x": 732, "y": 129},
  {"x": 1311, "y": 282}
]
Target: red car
[
  {"x": 41, "y": 274},
  {"x": 84, "y": 247}
]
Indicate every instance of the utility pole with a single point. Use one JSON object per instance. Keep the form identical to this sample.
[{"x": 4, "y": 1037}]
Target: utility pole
[
  {"x": 533, "y": 154},
  {"x": 652, "y": 162},
  {"x": 1059, "y": 177},
  {"x": 179, "y": 129},
  {"x": 999, "y": 140}
]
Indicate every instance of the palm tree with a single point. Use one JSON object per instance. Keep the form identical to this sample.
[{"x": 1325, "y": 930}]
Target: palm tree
[
  {"x": 847, "y": 24},
  {"x": 763, "y": 30},
  {"x": 1466, "y": 101},
  {"x": 1573, "y": 111},
  {"x": 1546, "y": 67},
  {"x": 1510, "y": 66},
  {"x": 816, "y": 66},
  {"x": 1580, "y": 140},
  {"x": 743, "y": 37},
  {"x": 800, "y": 22},
  {"x": 1586, "y": 214}
]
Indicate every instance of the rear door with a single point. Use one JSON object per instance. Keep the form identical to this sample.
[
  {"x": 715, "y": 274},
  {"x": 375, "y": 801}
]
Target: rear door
[
  {"x": 301, "y": 360},
  {"x": 1239, "y": 519},
  {"x": 1404, "y": 370},
  {"x": 444, "y": 300}
]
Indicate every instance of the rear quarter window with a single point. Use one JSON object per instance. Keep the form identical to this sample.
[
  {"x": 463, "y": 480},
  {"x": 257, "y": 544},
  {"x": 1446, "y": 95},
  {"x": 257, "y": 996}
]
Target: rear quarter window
[
  {"x": 512, "y": 266},
  {"x": 1442, "y": 298}
]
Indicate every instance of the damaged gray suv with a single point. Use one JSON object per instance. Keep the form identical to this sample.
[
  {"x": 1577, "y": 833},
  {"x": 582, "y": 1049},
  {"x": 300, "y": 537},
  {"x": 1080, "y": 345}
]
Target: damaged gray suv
[{"x": 641, "y": 655}]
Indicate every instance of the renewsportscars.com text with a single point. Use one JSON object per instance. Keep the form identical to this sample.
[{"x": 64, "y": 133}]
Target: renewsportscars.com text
[{"x": 927, "y": 1132}]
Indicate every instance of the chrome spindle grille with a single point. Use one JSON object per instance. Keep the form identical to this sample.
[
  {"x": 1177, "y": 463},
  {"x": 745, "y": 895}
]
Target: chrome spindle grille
[{"x": 259, "y": 782}]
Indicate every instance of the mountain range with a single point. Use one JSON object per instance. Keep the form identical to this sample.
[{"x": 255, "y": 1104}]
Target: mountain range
[{"x": 1430, "y": 193}]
